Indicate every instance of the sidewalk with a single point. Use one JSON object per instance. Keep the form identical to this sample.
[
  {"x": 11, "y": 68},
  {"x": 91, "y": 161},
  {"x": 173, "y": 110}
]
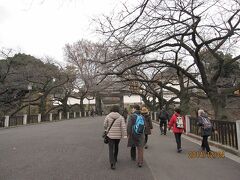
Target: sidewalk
[{"x": 166, "y": 164}]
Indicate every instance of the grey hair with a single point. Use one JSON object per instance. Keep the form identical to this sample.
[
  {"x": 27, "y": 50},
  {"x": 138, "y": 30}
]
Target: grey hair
[{"x": 201, "y": 112}]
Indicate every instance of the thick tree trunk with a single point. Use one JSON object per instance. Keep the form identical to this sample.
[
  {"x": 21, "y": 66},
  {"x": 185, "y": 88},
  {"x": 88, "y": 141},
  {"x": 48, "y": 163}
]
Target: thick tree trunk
[
  {"x": 98, "y": 104},
  {"x": 184, "y": 102},
  {"x": 218, "y": 103},
  {"x": 150, "y": 105},
  {"x": 65, "y": 107},
  {"x": 147, "y": 103},
  {"x": 42, "y": 107},
  {"x": 81, "y": 105}
]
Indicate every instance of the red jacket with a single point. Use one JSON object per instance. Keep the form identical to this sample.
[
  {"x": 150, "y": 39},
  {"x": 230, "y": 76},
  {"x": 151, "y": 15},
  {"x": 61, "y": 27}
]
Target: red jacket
[{"x": 172, "y": 123}]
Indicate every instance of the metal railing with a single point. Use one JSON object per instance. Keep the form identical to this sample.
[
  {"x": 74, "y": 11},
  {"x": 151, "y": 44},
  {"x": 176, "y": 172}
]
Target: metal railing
[
  {"x": 46, "y": 117},
  {"x": 226, "y": 132},
  {"x": 71, "y": 115},
  {"x": 2, "y": 120},
  {"x": 77, "y": 114},
  {"x": 32, "y": 119},
  {"x": 55, "y": 116},
  {"x": 15, "y": 120}
]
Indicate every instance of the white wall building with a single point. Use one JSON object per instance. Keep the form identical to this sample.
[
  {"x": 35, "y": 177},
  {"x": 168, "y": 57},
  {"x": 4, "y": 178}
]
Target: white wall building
[{"x": 126, "y": 99}]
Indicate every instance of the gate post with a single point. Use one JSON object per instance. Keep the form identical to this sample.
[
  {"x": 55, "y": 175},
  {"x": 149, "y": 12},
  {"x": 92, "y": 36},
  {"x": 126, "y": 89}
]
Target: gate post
[
  {"x": 50, "y": 117},
  {"x": 187, "y": 120},
  {"x": 238, "y": 133},
  {"x": 60, "y": 115},
  {"x": 25, "y": 116},
  {"x": 6, "y": 122},
  {"x": 39, "y": 118}
]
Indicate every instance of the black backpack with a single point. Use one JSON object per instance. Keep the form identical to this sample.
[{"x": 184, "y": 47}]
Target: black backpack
[{"x": 163, "y": 115}]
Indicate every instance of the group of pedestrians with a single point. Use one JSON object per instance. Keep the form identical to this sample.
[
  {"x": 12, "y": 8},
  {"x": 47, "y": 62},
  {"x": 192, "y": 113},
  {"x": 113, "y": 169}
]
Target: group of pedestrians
[
  {"x": 137, "y": 126},
  {"x": 137, "y": 129},
  {"x": 178, "y": 125}
]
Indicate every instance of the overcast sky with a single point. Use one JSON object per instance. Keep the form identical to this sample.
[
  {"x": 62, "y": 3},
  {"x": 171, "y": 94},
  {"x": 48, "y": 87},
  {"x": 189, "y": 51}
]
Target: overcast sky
[{"x": 43, "y": 27}]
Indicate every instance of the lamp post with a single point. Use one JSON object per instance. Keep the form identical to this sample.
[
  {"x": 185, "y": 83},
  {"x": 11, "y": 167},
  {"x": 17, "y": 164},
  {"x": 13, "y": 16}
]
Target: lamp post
[{"x": 29, "y": 89}]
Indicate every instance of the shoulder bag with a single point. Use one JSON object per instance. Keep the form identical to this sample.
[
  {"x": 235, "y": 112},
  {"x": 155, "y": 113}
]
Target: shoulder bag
[{"x": 105, "y": 133}]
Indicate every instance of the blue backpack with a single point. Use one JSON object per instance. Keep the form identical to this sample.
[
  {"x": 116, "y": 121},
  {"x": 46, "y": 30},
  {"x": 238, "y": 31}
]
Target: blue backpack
[{"x": 138, "y": 127}]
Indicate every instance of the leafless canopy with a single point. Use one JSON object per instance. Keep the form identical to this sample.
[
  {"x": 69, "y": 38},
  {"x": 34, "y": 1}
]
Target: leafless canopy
[{"x": 175, "y": 33}]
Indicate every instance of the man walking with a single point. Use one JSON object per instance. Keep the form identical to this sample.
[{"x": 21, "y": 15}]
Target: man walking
[{"x": 163, "y": 120}]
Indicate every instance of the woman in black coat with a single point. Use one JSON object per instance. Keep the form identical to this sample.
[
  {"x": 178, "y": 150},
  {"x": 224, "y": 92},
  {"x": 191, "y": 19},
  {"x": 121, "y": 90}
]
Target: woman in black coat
[
  {"x": 148, "y": 124},
  {"x": 135, "y": 142},
  {"x": 206, "y": 129}
]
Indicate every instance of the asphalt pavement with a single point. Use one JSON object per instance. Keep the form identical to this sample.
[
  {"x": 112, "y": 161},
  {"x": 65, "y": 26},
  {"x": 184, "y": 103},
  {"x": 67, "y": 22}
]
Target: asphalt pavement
[{"x": 74, "y": 150}]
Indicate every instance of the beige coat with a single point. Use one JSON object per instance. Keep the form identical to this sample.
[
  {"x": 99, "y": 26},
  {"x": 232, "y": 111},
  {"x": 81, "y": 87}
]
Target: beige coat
[{"x": 118, "y": 129}]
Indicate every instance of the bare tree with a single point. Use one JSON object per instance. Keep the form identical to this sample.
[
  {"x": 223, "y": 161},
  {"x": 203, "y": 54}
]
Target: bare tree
[
  {"x": 83, "y": 55},
  {"x": 159, "y": 29}
]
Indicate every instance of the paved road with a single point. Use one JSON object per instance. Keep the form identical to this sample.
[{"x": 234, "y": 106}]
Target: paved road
[{"x": 73, "y": 150}]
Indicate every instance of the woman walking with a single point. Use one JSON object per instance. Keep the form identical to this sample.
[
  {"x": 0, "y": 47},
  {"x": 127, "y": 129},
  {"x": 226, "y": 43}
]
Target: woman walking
[
  {"x": 177, "y": 122},
  {"x": 148, "y": 124},
  {"x": 206, "y": 127},
  {"x": 135, "y": 141},
  {"x": 116, "y": 132}
]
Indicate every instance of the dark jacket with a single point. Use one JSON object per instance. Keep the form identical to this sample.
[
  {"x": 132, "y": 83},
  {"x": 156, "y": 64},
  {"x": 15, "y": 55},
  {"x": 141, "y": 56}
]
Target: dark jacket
[
  {"x": 133, "y": 140},
  {"x": 205, "y": 131},
  {"x": 163, "y": 115},
  {"x": 148, "y": 123}
]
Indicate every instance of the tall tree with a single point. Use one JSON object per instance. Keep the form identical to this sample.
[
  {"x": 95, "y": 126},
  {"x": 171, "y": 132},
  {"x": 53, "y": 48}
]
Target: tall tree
[
  {"x": 27, "y": 70},
  {"x": 83, "y": 55},
  {"x": 159, "y": 29}
]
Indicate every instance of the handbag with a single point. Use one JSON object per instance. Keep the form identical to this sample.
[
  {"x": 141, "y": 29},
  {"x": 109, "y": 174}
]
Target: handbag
[{"x": 105, "y": 137}]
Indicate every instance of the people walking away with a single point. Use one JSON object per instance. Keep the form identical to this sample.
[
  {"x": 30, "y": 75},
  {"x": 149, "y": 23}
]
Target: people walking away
[
  {"x": 206, "y": 129},
  {"x": 115, "y": 122},
  {"x": 135, "y": 133},
  {"x": 163, "y": 120},
  {"x": 177, "y": 123},
  {"x": 148, "y": 124}
]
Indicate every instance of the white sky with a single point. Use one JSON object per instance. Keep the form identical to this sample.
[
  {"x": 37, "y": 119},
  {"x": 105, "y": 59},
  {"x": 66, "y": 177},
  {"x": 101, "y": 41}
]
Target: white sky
[{"x": 42, "y": 27}]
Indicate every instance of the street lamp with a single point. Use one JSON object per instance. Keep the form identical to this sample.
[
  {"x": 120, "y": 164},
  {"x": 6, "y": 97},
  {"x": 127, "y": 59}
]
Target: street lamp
[{"x": 29, "y": 89}]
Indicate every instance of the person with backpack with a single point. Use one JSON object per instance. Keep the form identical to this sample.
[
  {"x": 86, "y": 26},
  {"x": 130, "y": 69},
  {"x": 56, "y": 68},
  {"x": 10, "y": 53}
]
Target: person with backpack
[
  {"x": 206, "y": 129},
  {"x": 135, "y": 133},
  {"x": 177, "y": 122},
  {"x": 115, "y": 125},
  {"x": 148, "y": 124},
  {"x": 163, "y": 120}
]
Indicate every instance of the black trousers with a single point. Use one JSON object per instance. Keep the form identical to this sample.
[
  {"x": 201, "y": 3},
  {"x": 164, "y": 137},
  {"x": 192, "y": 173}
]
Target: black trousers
[
  {"x": 163, "y": 126},
  {"x": 133, "y": 153},
  {"x": 205, "y": 144},
  {"x": 139, "y": 152},
  {"x": 146, "y": 138},
  {"x": 113, "y": 150},
  {"x": 178, "y": 140}
]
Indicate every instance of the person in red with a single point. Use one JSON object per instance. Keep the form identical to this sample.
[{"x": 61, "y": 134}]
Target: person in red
[{"x": 177, "y": 123}]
